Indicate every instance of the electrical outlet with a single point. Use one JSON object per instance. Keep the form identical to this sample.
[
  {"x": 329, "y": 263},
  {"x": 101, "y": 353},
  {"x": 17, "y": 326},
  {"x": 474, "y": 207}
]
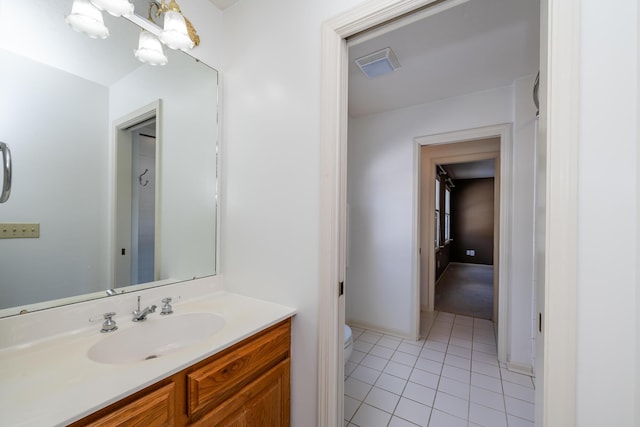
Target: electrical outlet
[
  {"x": 471, "y": 252},
  {"x": 19, "y": 230}
]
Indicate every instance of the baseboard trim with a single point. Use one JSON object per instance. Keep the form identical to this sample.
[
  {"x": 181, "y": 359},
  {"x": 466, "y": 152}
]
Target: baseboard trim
[
  {"x": 520, "y": 368},
  {"x": 378, "y": 329}
]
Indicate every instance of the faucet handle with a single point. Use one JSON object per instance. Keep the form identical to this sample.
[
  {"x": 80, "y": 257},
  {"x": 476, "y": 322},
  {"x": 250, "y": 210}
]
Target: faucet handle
[
  {"x": 166, "y": 306},
  {"x": 109, "y": 324}
]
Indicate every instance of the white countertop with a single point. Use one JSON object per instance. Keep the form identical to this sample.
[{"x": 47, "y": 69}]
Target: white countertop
[{"x": 53, "y": 381}]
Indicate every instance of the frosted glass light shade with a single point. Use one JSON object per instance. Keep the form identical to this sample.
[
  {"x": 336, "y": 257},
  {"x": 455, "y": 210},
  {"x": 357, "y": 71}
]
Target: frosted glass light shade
[
  {"x": 86, "y": 19},
  {"x": 175, "y": 34},
  {"x": 115, "y": 7},
  {"x": 150, "y": 49}
]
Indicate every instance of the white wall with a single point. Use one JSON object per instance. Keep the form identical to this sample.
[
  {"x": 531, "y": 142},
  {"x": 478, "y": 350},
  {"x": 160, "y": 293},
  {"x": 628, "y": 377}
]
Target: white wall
[
  {"x": 608, "y": 216},
  {"x": 271, "y": 140},
  {"x": 187, "y": 151},
  {"x": 381, "y": 192},
  {"x": 55, "y": 167}
]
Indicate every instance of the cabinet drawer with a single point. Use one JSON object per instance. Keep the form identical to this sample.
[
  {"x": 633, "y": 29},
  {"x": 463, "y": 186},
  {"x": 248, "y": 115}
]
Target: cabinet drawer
[
  {"x": 220, "y": 379},
  {"x": 155, "y": 409}
]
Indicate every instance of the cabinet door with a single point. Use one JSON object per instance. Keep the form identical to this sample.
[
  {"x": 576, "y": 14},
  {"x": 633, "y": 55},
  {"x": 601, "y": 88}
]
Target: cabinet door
[
  {"x": 155, "y": 409},
  {"x": 262, "y": 403}
]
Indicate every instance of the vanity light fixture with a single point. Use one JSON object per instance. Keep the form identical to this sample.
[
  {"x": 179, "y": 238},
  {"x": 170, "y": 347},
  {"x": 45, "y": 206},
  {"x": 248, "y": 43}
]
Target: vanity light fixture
[
  {"x": 87, "y": 19},
  {"x": 115, "y": 7},
  {"x": 178, "y": 32},
  {"x": 150, "y": 49}
]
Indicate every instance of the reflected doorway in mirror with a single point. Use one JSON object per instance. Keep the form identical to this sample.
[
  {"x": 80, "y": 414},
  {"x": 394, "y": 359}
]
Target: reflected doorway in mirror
[{"x": 136, "y": 197}]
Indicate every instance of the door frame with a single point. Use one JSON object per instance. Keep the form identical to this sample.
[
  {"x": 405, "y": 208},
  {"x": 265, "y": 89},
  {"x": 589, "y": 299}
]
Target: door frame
[
  {"x": 446, "y": 151},
  {"x": 559, "y": 133},
  {"x": 121, "y": 190}
]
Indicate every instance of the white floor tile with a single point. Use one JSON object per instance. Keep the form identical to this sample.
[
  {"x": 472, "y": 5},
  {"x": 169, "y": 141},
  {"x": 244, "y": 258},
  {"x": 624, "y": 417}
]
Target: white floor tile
[
  {"x": 442, "y": 419},
  {"x": 371, "y": 417},
  {"x": 491, "y": 359},
  {"x": 487, "y": 398},
  {"x": 370, "y": 337},
  {"x": 452, "y": 405},
  {"x": 519, "y": 392},
  {"x": 485, "y": 416},
  {"x": 486, "y": 348},
  {"x": 413, "y": 411},
  {"x": 439, "y": 336},
  {"x": 398, "y": 370},
  {"x": 419, "y": 393},
  {"x": 461, "y": 342},
  {"x": 381, "y": 351},
  {"x": 349, "y": 367},
  {"x": 357, "y": 356},
  {"x": 434, "y": 355},
  {"x": 457, "y": 361},
  {"x": 390, "y": 383},
  {"x": 362, "y": 346},
  {"x": 350, "y": 407},
  {"x": 485, "y": 369},
  {"x": 452, "y": 379},
  {"x": 514, "y": 377},
  {"x": 365, "y": 374},
  {"x": 382, "y": 399},
  {"x": 389, "y": 342},
  {"x": 454, "y": 388},
  {"x": 518, "y": 422},
  {"x": 399, "y": 422},
  {"x": 459, "y": 351},
  {"x": 374, "y": 362},
  {"x": 404, "y": 358},
  {"x": 462, "y": 375},
  {"x": 428, "y": 365},
  {"x": 410, "y": 348},
  {"x": 424, "y": 378},
  {"x": 486, "y": 382},
  {"x": 356, "y": 388},
  {"x": 520, "y": 408}
]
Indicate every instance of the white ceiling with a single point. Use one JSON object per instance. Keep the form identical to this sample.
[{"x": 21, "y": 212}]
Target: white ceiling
[
  {"x": 223, "y": 4},
  {"x": 471, "y": 170},
  {"x": 478, "y": 45}
]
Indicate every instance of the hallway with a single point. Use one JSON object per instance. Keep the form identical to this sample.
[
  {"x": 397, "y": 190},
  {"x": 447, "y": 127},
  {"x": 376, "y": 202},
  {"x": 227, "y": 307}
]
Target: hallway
[
  {"x": 451, "y": 379},
  {"x": 466, "y": 289}
]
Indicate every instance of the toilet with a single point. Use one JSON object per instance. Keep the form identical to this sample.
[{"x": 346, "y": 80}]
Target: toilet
[{"x": 348, "y": 343}]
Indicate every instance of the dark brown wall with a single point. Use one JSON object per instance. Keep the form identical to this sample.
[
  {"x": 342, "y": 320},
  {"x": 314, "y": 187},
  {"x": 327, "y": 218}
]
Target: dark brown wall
[
  {"x": 472, "y": 220},
  {"x": 442, "y": 260}
]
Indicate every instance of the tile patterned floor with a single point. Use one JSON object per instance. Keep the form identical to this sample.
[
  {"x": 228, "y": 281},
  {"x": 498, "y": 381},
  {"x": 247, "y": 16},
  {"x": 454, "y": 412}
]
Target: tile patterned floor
[{"x": 451, "y": 379}]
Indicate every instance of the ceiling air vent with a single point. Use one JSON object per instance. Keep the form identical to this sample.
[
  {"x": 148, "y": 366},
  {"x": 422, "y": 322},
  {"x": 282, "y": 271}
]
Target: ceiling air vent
[{"x": 378, "y": 63}]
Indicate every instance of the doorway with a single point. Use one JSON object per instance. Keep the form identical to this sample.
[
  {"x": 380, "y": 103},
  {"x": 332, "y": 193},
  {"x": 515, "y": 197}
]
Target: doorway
[
  {"x": 464, "y": 228},
  {"x": 487, "y": 144},
  {"x": 558, "y": 140},
  {"x": 135, "y": 247}
]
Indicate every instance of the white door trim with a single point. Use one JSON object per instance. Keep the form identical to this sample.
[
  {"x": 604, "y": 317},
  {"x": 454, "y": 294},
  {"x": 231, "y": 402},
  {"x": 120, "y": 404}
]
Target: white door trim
[
  {"x": 504, "y": 132},
  {"x": 559, "y": 133}
]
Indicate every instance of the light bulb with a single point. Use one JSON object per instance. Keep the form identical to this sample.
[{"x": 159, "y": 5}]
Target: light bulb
[{"x": 87, "y": 19}]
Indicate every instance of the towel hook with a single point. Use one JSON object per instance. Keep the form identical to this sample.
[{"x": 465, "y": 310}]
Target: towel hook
[{"x": 146, "y": 181}]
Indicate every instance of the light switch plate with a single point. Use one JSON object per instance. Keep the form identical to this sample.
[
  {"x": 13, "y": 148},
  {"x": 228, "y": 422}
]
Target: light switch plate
[{"x": 19, "y": 230}]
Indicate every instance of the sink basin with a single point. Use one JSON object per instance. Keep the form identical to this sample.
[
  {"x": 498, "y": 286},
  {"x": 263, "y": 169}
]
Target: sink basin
[{"x": 155, "y": 337}]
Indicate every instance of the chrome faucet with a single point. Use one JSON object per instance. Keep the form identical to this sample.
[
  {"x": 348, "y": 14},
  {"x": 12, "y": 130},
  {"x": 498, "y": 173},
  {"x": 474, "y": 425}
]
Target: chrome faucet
[{"x": 140, "y": 315}]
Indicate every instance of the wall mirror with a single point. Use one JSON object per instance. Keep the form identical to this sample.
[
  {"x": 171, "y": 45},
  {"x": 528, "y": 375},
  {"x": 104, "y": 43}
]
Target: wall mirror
[{"x": 67, "y": 102}]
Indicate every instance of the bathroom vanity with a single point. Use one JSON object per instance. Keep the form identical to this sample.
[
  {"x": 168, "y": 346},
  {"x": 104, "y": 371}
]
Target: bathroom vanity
[
  {"x": 238, "y": 371},
  {"x": 247, "y": 384}
]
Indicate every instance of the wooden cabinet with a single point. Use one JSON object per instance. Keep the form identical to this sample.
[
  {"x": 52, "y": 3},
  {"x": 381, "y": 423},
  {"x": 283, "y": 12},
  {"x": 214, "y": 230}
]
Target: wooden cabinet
[{"x": 245, "y": 385}]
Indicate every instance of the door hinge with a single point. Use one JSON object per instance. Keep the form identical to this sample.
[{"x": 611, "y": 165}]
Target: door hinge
[
  {"x": 340, "y": 288},
  {"x": 540, "y": 322}
]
